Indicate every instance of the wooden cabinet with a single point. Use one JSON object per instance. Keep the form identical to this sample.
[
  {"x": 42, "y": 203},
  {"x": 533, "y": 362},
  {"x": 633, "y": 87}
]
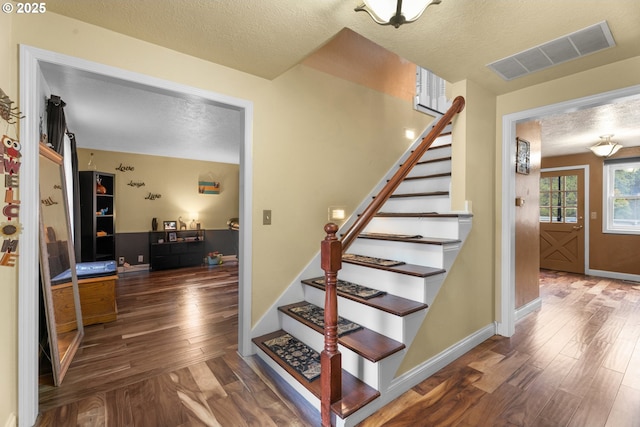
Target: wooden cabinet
[
  {"x": 175, "y": 249},
  {"x": 97, "y": 300},
  {"x": 97, "y": 216}
]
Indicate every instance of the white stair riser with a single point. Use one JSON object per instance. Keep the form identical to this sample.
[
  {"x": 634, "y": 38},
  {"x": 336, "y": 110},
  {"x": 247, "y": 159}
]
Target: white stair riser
[
  {"x": 402, "y": 285},
  {"x": 444, "y": 228},
  {"x": 436, "y": 153},
  {"x": 431, "y": 168},
  {"x": 371, "y": 318},
  {"x": 417, "y": 204},
  {"x": 425, "y": 185},
  {"x": 356, "y": 365},
  {"x": 442, "y": 139},
  {"x": 411, "y": 253}
]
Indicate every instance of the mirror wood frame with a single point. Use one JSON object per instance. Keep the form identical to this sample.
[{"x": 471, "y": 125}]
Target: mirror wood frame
[{"x": 62, "y": 345}]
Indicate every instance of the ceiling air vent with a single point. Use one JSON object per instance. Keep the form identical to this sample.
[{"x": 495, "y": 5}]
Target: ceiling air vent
[{"x": 583, "y": 42}]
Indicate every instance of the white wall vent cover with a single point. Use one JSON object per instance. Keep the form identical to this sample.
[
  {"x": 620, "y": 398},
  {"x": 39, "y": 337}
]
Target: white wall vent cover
[{"x": 582, "y": 42}]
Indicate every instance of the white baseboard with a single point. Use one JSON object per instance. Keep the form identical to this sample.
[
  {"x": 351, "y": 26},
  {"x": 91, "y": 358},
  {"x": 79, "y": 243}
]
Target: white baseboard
[
  {"x": 132, "y": 268},
  {"x": 11, "y": 421},
  {"x": 614, "y": 275},
  {"x": 529, "y": 307},
  {"x": 442, "y": 359}
]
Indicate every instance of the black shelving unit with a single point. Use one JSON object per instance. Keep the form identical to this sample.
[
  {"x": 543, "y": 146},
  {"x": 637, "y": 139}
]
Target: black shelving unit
[
  {"x": 187, "y": 249},
  {"x": 97, "y": 216}
]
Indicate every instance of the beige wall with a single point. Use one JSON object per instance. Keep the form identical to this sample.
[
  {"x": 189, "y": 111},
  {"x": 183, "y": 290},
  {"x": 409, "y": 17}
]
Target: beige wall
[
  {"x": 527, "y": 219},
  {"x": 175, "y": 180},
  {"x": 465, "y": 302},
  {"x": 607, "y": 252},
  {"x": 8, "y": 275}
]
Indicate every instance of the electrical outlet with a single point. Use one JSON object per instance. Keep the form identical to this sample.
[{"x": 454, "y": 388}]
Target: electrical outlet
[
  {"x": 140, "y": 258},
  {"x": 121, "y": 260}
]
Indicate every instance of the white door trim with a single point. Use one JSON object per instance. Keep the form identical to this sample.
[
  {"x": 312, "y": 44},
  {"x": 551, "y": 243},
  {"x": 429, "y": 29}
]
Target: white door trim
[
  {"x": 507, "y": 316},
  {"x": 30, "y": 57}
]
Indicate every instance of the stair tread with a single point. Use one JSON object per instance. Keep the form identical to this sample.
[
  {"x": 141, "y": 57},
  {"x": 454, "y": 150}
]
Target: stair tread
[
  {"x": 413, "y": 239},
  {"x": 426, "y": 194},
  {"x": 423, "y": 215},
  {"x": 356, "y": 393},
  {"x": 365, "y": 342},
  {"x": 439, "y": 159},
  {"x": 435, "y": 175},
  {"x": 386, "y": 302},
  {"x": 408, "y": 269}
]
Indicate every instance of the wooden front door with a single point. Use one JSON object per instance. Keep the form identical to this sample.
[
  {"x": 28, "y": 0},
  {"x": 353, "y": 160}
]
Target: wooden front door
[{"x": 562, "y": 220}]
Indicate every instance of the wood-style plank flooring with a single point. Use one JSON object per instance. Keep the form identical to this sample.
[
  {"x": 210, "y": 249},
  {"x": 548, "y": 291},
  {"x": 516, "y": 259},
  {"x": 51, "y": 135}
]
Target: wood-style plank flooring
[{"x": 171, "y": 360}]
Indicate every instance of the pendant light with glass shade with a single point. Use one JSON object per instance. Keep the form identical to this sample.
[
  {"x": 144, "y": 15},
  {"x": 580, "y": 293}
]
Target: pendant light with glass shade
[
  {"x": 395, "y": 12},
  {"x": 606, "y": 147}
]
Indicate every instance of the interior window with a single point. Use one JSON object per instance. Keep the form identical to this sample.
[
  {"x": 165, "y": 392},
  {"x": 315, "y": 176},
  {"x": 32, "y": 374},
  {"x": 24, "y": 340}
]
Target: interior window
[{"x": 621, "y": 197}]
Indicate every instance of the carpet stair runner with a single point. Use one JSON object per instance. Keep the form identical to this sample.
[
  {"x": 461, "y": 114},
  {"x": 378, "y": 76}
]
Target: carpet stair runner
[
  {"x": 356, "y": 394},
  {"x": 365, "y": 342},
  {"x": 381, "y": 300}
]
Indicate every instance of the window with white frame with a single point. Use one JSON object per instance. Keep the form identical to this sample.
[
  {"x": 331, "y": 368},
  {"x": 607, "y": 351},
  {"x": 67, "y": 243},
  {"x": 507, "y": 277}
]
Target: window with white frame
[{"x": 621, "y": 196}]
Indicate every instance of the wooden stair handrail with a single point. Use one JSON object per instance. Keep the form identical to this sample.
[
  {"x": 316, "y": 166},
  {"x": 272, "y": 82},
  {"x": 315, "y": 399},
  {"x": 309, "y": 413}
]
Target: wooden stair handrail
[{"x": 367, "y": 215}]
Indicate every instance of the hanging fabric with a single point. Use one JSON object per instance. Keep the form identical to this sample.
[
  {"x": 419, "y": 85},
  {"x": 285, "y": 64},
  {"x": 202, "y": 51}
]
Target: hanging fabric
[{"x": 56, "y": 123}]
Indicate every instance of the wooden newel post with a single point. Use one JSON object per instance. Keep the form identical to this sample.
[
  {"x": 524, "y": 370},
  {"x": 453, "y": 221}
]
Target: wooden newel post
[{"x": 330, "y": 358}]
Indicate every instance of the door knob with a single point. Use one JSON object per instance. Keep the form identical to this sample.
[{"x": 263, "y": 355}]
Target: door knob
[{"x": 578, "y": 227}]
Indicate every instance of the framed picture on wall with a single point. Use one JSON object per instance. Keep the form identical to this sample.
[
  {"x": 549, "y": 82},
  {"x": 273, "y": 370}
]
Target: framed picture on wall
[
  {"x": 170, "y": 225},
  {"x": 522, "y": 156}
]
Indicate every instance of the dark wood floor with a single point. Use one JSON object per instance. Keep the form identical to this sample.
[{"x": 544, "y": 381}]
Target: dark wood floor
[{"x": 171, "y": 360}]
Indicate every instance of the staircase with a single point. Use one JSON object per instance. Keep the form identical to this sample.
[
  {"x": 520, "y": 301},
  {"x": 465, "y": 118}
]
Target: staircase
[{"x": 397, "y": 263}]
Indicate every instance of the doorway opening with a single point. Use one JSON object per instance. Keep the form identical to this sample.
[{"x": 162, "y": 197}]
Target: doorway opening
[
  {"x": 506, "y": 291},
  {"x": 28, "y": 282}
]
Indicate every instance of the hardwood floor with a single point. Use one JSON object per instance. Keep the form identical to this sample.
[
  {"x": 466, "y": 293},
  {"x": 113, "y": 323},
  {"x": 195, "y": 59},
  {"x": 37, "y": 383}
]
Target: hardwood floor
[{"x": 171, "y": 360}]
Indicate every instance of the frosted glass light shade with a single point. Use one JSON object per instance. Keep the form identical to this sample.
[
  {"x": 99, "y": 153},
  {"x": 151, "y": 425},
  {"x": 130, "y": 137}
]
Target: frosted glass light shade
[
  {"x": 606, "y": 147},
  {"x": 385, "y": 12}
]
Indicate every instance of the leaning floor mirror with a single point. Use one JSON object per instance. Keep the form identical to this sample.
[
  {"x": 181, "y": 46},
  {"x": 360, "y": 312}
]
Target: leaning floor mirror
[{"x": 60, "y": 295}]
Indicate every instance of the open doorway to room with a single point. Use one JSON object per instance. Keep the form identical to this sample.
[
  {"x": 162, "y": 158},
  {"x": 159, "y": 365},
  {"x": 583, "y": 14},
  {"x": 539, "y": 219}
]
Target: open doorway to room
[
  {"x": 508, "y": 309},
  {"x": 31, "y": 84}
]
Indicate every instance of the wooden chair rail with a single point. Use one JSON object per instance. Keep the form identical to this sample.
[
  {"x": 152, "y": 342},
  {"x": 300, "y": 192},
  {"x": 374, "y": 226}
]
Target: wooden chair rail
[{"x": 331, "y": 250}]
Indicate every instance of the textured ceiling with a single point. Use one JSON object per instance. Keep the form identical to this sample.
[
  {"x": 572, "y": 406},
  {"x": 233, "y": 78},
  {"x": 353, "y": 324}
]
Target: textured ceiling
[{"x": 456, "y": 39}]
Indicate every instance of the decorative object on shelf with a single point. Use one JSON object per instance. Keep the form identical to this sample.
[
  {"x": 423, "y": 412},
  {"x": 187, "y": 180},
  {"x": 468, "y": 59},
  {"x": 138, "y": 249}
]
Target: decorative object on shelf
[
  {"x": 193, "y": 225},
  {"x": 183, "y": 225},
  {"x": 169, "y": 225},
  {"x": 173, "y": 237},
  {"x": 606, "y": 147},
  {"x": 395, "y": 12},
  {"x": 233, "y": 224},
  {"x": 123, "y": 168},
  {"x": 100, "y": 189},
  {"x": 522, "y": 156},
  {"x": 154, "y": 224}
]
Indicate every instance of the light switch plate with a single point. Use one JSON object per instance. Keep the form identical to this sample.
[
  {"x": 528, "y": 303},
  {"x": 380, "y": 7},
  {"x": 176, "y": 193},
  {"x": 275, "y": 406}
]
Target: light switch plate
[{"x": 266, "y": 217}]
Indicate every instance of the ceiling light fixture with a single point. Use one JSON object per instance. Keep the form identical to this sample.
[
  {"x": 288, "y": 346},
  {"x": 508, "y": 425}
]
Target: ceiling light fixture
[
  {"x": 606, "y": 147},
  {"x": 394, "y": 12}
]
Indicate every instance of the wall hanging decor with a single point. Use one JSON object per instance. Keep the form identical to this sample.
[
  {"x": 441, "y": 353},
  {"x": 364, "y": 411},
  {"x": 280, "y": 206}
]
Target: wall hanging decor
[
  {"x": 522, "y": 156},
  {"x": 124, "y": 168},
  {"x": 208, "y": 185}
]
